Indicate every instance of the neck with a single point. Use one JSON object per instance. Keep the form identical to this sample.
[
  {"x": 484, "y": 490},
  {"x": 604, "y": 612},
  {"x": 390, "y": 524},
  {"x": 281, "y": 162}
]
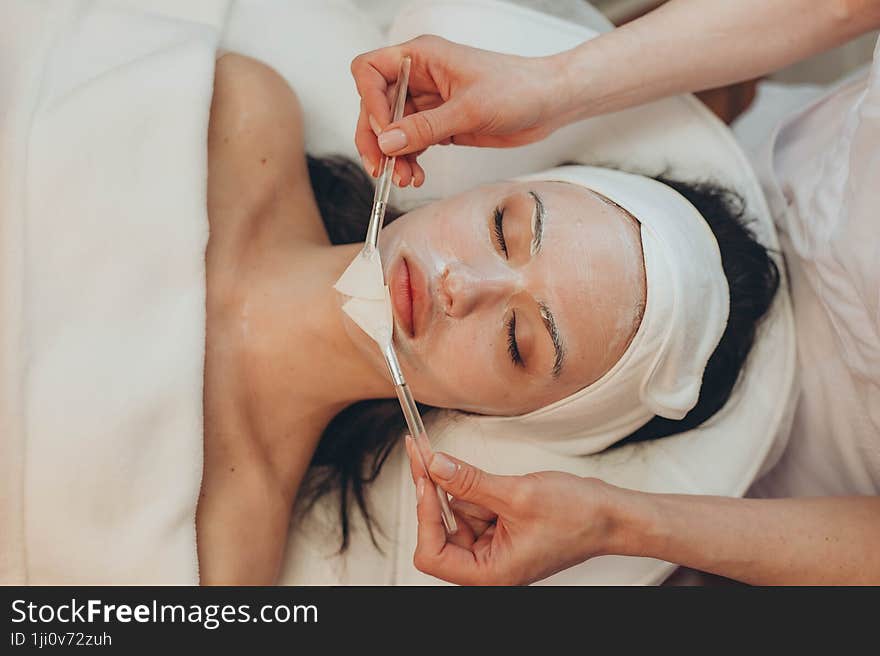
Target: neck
[
  {"x": 344, "y": 373},
  {"x": 298, "y": 363}
]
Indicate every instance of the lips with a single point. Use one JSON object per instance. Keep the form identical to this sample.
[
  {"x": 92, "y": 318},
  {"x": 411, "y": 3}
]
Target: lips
[
  {"x": 409, "y": 296},
  {"x": 402, "y": 296}
]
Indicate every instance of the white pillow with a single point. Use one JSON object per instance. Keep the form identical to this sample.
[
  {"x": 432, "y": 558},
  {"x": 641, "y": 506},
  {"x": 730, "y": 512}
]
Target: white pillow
[{"x": 311, "y": 44}]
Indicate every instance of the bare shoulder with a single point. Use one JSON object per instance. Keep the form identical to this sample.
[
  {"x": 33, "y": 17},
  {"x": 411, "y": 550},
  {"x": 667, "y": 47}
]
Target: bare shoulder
[
  {"x": 256, "y": 126},
  {"x": 251, "y": 96}
]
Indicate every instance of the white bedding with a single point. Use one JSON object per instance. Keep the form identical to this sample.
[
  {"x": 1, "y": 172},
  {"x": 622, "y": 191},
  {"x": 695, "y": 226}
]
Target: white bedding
[{"x": 104, "y": 226}]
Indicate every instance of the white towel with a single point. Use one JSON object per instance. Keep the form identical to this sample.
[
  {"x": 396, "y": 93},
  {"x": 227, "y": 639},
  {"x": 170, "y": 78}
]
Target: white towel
[{"x": 105, "y": 108}]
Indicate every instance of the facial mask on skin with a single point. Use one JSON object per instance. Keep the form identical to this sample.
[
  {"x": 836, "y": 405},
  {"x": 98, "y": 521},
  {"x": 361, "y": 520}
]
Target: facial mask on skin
[{"x": 687, "y": 305}]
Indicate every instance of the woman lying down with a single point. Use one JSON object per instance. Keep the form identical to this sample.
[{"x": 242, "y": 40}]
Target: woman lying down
[{"x": 594, "y": 306}]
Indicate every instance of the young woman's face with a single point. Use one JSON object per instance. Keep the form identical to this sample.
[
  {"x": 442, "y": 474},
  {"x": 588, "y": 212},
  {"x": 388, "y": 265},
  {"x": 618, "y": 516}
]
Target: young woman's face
[{"x": 512, "y": 296}]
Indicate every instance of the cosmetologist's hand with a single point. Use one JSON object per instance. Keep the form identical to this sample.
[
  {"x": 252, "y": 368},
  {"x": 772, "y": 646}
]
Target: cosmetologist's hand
[
  {"x": 513, "y": 530},
  {"x": 457, "y": 94}
]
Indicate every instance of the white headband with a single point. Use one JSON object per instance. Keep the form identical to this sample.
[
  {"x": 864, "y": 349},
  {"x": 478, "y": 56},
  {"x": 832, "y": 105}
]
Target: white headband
[{"x": 688, "y": 301}]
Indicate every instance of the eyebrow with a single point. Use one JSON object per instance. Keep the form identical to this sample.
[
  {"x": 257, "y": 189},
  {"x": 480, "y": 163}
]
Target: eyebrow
[
  {"x": 610, "y": 202},
  {"x": 538, "y": 227},
  {"x": 558, "y": 345}
]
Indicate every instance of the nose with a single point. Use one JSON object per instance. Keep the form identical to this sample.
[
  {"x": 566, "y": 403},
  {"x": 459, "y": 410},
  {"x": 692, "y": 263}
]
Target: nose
[{"x": 464, "y": 289}]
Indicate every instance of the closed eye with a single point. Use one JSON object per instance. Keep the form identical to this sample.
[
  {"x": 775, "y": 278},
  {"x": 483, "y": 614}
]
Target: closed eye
[
  {"x": 512, "y": 347},
  {"x": 499, "y": 230}
]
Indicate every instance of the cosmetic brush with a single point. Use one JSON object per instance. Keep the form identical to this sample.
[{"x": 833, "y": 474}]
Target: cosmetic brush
[{"x": 370, "y": 305}]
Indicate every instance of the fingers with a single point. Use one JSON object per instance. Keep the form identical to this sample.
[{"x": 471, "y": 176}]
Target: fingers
[
  {"x": 418, "y": 131},
  {"x": 432, "y": 534},
  {"x": 448, "y": 557},
  {"x": 476, "y": 518},
  {"x": 402, "y": 175},
  {"x": 365, "y": 141},
  {"x": 407, "y": 170},
  {"x": 465, "y": 535},
  {"x": 473, "y": 511},
  {"x": 450, "y": 560},
  {"x": 374, "y": 73},
  {"x": 469, "y": 483},
  {"x": 415, "y": 467},
  {"x": 417, "y": 171}
]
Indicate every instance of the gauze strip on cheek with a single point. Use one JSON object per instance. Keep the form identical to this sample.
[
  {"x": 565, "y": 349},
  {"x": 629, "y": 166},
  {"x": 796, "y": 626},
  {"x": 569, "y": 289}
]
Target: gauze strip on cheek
[{"x": 686, "y": 311}]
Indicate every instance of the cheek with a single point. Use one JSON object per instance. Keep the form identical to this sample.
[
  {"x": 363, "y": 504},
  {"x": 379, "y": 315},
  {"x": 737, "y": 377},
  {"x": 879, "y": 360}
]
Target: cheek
[
  {"x": 461, "y": 369},
  {"x": 448, "y": 362},
  {"x": 448, "y": 230}
]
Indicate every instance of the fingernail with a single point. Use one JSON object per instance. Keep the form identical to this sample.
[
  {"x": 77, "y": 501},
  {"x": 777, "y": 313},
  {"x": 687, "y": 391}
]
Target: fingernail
[
  {"x": 374, "y": 125},
  {"x": 396, "y": 179},
  {"x": 420, "y": 488},
  {"x": 368, "y": 166},
  {"x": 392, "y": 141},
  {"x": 443, "y": 467}
]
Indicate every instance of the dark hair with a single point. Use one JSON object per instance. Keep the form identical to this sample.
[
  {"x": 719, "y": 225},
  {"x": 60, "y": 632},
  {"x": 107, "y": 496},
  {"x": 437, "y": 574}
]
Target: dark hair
[{"x": 358, "y": 440}]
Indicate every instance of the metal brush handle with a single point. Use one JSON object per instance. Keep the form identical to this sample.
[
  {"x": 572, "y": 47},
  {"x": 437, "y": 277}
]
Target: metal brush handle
[
  {"x": 377, "y": 217},
  {"x": 423, "y": 449},
  {"x": 386, "y": 164},
  {"x": 420, "y": 436}
]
